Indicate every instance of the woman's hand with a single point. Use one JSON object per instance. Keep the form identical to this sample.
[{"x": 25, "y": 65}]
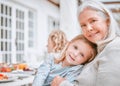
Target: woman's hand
[{"x": 57, "y": 80}]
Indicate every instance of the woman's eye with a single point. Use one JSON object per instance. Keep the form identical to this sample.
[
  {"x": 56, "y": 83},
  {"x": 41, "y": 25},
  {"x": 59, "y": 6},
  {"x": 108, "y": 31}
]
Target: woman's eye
[
  {"x": 83, "y": 26},
  {"x": 75, "y": 47},
  {"x": 93, "y": 21}
]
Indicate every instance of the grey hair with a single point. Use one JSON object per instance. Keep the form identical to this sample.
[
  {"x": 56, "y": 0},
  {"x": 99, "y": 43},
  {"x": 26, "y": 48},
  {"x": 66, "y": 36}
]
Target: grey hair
[{"x": 99, "y": 7}]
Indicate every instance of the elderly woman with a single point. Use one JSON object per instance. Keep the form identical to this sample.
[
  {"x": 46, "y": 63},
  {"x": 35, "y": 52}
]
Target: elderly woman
[{"x": 99, "y": 27}]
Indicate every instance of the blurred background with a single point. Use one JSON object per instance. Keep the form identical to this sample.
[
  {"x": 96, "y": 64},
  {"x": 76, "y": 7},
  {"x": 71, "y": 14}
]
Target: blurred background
[{"x": 26, "y": 24}]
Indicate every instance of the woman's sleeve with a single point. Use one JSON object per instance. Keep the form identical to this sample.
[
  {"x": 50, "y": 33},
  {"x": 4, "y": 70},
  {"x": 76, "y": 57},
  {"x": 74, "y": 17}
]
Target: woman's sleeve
[
  {"x": 67, "y": 83},
  {"x": 42, "y": 72},
  {"x": 109, "y": 68}
]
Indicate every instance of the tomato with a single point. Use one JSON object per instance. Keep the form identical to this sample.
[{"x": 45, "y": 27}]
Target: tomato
[
  {"x": 1, "y": 75},
  {"x": 5, "y": 69}
]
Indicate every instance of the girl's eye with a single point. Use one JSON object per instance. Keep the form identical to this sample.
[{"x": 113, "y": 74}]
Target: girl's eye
[{"x": 82, "y": 54}]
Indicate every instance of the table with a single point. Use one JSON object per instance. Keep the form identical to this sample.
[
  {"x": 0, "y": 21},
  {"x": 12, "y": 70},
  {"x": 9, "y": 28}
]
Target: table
[{"x": 19, "y": 81}]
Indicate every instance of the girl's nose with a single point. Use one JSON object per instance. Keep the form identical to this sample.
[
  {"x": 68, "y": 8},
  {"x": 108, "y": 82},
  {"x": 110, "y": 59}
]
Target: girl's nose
[{"x": 77, "y": 53}]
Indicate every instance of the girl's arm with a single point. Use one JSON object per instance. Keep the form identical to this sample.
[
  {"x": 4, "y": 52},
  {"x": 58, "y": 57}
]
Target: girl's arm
[{"x": 42, "y": 72}]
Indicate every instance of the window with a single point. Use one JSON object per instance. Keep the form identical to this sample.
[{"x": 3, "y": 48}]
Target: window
[
  {"x": 5, "y": 32},
  {"x": 31, "y": 25},
  {"x": 114, "y": 6},
  {"x": 52, "y": 24},
  {"x": 15, "y": 25},
  {"x": 116, "y": 14},
  {"x": 20, "y": 33}
]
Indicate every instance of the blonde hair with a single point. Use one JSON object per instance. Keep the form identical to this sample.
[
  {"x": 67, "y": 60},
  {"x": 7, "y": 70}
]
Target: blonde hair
[
  {"x": 79, "y": 37},
  {"x": 59, "y": 40}
]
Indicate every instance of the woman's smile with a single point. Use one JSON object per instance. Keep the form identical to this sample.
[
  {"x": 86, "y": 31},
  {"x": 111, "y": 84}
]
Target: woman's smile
[{"x": 93, "y": 34}]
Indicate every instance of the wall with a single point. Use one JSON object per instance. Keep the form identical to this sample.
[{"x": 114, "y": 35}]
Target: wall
[
  {"x": 43, "y": 9},
  {"x": 68, "y": 18}
]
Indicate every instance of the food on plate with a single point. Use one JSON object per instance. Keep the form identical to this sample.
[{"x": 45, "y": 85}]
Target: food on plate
[
  {"x": 3, "y": 76},
  {"x": 5, "y": 69},
  {"x": 13, "y": 67},
  {"x": 22, "y": 66}
]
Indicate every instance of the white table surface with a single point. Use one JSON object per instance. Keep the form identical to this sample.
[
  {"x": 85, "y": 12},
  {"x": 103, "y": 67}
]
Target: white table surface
[{"x": 19, "y": 81}]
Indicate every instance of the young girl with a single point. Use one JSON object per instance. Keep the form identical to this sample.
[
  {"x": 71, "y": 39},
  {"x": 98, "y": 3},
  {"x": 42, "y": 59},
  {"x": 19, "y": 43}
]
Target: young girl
[
  {"x": 77, "y": 52},
  {"x": 56, "y": 42}
]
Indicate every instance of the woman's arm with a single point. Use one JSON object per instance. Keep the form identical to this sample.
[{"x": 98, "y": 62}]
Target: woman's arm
[
  {"x": 57, "y": 80},
  {"x": 109, "y": 68}
]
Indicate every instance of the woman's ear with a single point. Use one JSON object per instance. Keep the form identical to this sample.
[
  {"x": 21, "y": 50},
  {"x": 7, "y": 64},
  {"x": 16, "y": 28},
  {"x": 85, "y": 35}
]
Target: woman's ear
[{"x": 108, "y": 22}]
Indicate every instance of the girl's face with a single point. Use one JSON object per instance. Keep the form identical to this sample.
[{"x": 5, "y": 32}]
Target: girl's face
[
  {"x": 77, "y": 53},
  {"x": 94, "y": 26},
  {"x": 50, "y": 46}
]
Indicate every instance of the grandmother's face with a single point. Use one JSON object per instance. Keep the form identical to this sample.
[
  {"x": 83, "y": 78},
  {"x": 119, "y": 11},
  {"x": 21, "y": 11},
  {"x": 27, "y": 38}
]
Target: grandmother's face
[{"x": 94, "y": 26}]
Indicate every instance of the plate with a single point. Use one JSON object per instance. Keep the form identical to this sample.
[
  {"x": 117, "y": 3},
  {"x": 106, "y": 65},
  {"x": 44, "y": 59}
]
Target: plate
[
  {"x": 29, "y": 72},
  {"x": 32, "y": 72},
  {"x": 9, "y": 79},
  {"x": 22, "y": 75}
]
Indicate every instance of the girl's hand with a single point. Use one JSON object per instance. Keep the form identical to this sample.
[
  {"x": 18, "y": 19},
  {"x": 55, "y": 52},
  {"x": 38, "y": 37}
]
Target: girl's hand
[{"x": 57, "y": 80}]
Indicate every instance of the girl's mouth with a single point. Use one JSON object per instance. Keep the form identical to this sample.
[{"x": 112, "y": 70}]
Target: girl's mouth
[{"x": 71, "y": 58}]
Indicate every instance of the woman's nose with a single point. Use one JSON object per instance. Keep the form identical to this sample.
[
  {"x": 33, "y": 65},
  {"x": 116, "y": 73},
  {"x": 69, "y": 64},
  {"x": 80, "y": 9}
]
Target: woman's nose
[{"x": 89, "y": 27}]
